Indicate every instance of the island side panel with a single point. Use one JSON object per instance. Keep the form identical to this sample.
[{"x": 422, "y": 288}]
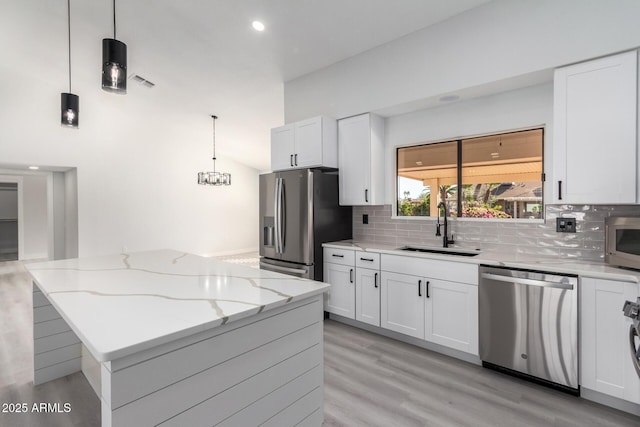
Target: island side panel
[
  {"x": 56, "y": 348},
  {"x": 266, "y": 368}
]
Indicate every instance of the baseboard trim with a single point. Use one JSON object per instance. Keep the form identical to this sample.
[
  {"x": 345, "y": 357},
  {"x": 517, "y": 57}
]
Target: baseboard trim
[
  {"x": 461, "y": 355},
  {"x": 613, "y": 402}
]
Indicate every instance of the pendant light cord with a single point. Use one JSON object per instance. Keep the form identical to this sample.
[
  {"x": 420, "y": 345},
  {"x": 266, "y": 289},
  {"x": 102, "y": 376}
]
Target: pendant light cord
[
  {"x": 69, "y": 38},
  {"x": 114, "y": 20},
  {"x": 214, "y": 143}
]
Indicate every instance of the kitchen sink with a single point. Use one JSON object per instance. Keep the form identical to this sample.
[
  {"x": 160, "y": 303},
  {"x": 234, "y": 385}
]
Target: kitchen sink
[{"x": 442, "y": 251}]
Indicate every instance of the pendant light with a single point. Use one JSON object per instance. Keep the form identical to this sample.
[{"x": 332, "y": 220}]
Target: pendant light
[
  {"x": 69, "y": 103},
  {"x": 114, "y": 62},
  {"x": 214, "y": 178}
]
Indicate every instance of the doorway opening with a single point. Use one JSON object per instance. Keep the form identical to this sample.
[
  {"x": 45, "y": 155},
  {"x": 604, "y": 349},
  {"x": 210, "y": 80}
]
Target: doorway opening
[{"x": 9, "y": 247}]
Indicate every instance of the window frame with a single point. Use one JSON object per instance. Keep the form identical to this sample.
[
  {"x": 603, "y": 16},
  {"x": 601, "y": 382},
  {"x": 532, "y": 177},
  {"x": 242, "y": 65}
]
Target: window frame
[{"x": 458, "y": 140}]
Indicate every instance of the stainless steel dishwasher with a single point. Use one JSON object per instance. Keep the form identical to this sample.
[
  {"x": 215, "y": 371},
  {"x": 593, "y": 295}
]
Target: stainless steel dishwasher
[{"x": 529, "y": 325}]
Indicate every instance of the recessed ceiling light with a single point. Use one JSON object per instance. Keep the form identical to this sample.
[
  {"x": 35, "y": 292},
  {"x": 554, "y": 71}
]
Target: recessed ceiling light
[
  {"x": 257, "y": 25},
  {"x": 449, "y": 98},
  {"x": 34, "y": 168}
]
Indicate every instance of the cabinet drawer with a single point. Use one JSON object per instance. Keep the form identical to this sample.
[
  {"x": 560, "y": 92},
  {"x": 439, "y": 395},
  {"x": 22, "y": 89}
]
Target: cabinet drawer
[
  {"x": 433, "y": 268},
  {"x": 367, "y": 260},
  {"x": 339, "y": 256}
]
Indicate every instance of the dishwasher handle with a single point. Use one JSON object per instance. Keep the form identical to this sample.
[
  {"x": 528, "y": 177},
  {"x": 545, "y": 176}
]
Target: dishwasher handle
[{"x": 523, "y": 281}]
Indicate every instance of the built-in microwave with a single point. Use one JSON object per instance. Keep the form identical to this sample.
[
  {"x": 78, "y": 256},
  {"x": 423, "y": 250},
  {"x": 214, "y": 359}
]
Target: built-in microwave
[{"x": 622, "y": 241}]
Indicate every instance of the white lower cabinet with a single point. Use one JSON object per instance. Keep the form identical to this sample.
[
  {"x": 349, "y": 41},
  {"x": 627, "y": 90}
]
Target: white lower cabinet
[
  {"x": 402, "y": 304},
  {"x": 342, "y": 295},
  {"x": 451, "y": 315},
  {"x": 368, "y": 296},
  {"x": 437, "y": 311},
  {"x": 425, "y": 304},
  {"x": 605, "y": 354}
]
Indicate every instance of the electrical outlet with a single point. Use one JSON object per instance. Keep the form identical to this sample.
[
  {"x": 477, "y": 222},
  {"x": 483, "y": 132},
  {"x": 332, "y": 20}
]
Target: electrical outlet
[
  {"x": 365, "y": 218},
  {"x": 566, "y": 225}
]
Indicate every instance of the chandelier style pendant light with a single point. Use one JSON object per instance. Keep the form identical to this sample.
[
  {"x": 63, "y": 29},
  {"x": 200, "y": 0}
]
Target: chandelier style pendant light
[
  {"x": 69, "y": 103},
  {"x": 114, "y": 62},
  {"x": 214, "y": 178}
]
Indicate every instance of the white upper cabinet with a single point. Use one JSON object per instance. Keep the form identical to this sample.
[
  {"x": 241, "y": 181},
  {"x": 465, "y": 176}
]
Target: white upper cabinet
[
  {"x": 305, "y": 144},
  {"x": 282, "y": 147},
  {"x": 595, "y": 131},
  {"x": 361, "y": 160}
]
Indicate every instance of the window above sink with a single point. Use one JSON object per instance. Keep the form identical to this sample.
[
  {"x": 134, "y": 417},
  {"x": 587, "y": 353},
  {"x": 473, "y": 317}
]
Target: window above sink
[{"x": 496, "y": 176}]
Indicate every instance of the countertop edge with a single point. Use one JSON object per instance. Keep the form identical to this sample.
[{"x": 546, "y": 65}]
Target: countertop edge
[{"x": 535, "y": 264}]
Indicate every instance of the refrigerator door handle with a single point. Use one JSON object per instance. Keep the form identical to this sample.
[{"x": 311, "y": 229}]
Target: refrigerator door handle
[
  {"x": 276, "y": 209},
  {"x": 283, "y": 217}
]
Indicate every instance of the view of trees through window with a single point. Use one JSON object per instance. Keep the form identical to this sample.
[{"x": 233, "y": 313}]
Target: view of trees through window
[{"x": 497, "y": 176}]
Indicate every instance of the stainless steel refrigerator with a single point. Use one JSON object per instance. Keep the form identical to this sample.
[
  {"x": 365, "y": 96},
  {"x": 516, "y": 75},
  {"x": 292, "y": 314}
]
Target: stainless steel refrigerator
[{"x": 299, "y": 211}]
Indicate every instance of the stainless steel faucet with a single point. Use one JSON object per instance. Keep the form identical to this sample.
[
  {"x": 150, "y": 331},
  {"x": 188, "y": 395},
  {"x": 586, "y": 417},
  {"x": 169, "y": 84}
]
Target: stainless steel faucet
[{"x": 445, "y": 239}]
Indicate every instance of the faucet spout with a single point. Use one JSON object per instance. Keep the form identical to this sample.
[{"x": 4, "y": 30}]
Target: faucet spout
[{"x": 446, "y": 241}]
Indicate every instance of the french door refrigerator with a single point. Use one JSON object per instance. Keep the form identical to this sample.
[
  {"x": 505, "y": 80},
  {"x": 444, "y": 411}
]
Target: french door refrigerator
[{"x": 299, "y": 211}]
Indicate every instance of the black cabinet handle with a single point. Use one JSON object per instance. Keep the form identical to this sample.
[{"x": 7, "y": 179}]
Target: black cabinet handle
[
  {"x": 366, "y": 195},
  {"x": 291, "y": 160},
  {"x": 427, "y": 289},
  {"x": 366, "y": 259},
  {"x": 419, "y": 288},
  {"x": 295, "y": 159},
  {"x": 375, "y": 280},
  {"x": 351, "y": 276},
  {"x": 559, "y": 190},
  {"x": 337, "y": 256}
]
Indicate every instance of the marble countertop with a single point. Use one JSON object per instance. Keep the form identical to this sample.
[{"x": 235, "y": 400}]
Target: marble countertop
[
  {"x": 122, "y": 304},
  {"x": 552, "y": 264}
]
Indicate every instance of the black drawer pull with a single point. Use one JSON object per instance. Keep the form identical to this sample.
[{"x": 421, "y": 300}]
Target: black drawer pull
[
  {"x": 366, "y": 259},
  {"x": 351, "y": 276},
  {"x": 419, "y": 288},
  {"x": 375, "y": 280},
  {"x": 427, "y": 289},
  {"x": 338, "y": 256}
]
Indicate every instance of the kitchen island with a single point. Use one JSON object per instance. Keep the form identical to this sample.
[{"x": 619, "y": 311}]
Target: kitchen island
[{"x": 168, "y": 338}]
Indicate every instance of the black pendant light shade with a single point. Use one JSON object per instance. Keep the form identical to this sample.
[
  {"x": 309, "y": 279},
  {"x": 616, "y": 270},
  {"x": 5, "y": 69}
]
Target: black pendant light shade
[
  {"x": 114, "y": 66},
  {"x": 69, "y": 103},
  {"x": 69, "y": 109}
]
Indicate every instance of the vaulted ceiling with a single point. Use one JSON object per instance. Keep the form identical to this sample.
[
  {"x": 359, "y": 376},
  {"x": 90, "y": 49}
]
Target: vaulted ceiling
[{"x": 203, "y": 56}]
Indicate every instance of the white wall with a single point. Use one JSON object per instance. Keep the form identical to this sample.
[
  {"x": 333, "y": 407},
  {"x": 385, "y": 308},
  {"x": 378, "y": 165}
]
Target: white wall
[
  {"x": 522, "y": 108},
  {"x": 35, "y": 216},
  {"x": 136, "y": 173},
  {"x": 501, "y": 45},
  {"x": 71, "y": 213}
]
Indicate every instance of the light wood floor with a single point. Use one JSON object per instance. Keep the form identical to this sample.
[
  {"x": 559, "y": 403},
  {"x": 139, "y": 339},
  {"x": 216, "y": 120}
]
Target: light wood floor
[{"x": 369, "y": 381}]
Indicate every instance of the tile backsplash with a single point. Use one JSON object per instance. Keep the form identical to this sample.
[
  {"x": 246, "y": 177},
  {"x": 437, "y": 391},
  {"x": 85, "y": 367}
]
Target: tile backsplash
[{"x": 513, "y": 237}]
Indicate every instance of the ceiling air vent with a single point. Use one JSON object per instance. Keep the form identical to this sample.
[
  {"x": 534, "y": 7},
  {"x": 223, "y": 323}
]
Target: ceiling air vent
[{"x": 139, "y": 79}]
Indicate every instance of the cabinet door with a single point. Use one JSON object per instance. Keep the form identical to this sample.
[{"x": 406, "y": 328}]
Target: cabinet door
[
  {"x": 308, "y": 143},
  {"x": 451, "y": 314},
  {"x": 605, "y": 359},
  {"x": 282, "y": 148},
  {"x": 402, "y": 303},
  {"x": 341, "y": 297},
  {"x": 368, "y": 296},
  {"x": 595, "y": 114},
  {"x": 354, "y": 160}
]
